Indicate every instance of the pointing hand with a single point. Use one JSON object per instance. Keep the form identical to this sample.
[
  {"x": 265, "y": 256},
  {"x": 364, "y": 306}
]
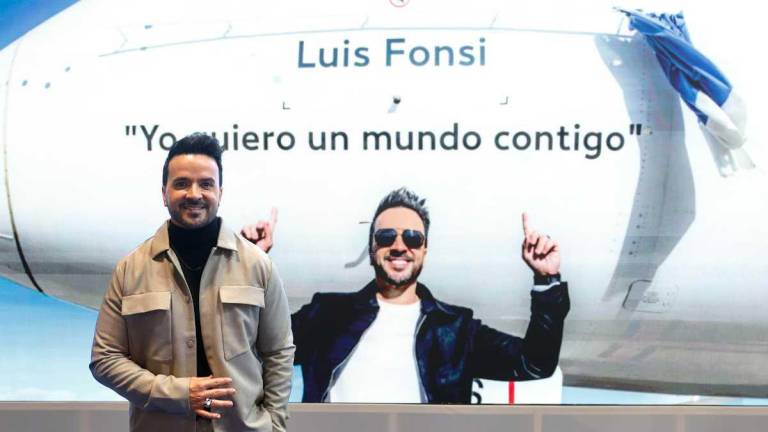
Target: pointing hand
[
  {"x": 540, "y": 252},
  {"x": 262, "y": 232}
]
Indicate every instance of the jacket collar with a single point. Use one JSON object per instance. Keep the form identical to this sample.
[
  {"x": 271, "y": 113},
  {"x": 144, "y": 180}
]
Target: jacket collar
[
  {"x": 366, "y": 298},
  {"x": 160, "y": 243}
]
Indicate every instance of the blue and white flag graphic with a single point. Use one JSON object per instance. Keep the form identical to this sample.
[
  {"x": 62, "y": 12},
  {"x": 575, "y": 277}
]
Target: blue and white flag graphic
[{"x": 701, "y": 85}]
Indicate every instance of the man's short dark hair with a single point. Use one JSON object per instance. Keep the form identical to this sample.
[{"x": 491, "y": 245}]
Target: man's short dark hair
[
  {"x": 402, "y": 197},
  {"x": 197, "y": 143}
]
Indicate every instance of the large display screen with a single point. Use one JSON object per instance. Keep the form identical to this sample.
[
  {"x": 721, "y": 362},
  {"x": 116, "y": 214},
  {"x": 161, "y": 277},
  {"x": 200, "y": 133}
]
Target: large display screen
[{"x": 487, "y": 111}]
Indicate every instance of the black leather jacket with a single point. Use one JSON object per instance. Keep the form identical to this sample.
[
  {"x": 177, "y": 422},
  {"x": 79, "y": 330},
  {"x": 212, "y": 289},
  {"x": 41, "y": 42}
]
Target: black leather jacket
[{"x": 452, "y": 348}]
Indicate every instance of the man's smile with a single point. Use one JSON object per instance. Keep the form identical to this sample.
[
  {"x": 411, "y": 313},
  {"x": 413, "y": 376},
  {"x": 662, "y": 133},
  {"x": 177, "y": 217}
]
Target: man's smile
[
  {"x": 399, "y": 263},
  {"x": 194, "y": 206}
]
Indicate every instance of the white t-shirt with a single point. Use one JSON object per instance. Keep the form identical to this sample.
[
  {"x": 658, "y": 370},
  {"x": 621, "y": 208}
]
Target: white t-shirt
[{"x": 382, "y": 368}]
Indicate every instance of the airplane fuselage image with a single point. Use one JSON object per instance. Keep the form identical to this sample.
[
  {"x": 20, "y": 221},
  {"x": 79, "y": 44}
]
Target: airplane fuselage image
[{"x": 487, "y": 113}]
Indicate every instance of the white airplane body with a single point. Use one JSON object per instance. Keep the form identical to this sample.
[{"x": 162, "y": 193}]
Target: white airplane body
[{"x": 662, "y": 244}]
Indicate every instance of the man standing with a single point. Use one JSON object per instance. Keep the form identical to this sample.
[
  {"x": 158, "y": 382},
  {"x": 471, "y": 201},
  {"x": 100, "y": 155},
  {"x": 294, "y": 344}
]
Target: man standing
[
  {"x": 194, "y": 329},
  {"x": 394, "y": 342}
]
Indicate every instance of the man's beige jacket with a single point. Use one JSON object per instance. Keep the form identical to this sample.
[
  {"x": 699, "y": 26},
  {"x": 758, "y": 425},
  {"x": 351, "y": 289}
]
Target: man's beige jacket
[{"x": 145, "y": 345}]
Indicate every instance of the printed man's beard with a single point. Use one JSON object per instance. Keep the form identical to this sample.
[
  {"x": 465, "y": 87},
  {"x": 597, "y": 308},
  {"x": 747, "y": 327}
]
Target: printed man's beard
[{"x": 400, "y": 282}]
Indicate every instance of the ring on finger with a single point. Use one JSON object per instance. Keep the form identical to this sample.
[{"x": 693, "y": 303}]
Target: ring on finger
[{"x": 207, "y": 404}]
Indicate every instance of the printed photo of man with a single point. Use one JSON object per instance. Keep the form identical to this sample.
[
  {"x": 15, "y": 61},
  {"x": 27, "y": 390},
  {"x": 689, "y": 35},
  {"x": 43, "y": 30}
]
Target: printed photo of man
[{"x": 394, "y": 342}]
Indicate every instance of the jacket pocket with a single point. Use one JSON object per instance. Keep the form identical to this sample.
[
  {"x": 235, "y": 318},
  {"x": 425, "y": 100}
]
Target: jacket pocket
[
  {"x": 148, "y": 320},
  {"x": 240, "y": 317}
]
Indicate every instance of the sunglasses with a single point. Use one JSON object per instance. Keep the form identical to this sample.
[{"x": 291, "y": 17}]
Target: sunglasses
[{"x": 386, "y": 237}]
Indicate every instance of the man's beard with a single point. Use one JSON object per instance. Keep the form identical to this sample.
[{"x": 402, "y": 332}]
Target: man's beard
[
  {"x": 399, "y": 283},
  {"x": 176, "y": 214}
]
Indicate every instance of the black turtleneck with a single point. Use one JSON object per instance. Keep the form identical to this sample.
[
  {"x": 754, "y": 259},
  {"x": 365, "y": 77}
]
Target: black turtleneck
[{"x": 192, "y": 247}]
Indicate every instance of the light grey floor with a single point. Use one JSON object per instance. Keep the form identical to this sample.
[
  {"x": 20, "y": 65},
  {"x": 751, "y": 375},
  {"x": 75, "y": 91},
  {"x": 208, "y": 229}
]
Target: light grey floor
[{"x": 113, "y": 417}]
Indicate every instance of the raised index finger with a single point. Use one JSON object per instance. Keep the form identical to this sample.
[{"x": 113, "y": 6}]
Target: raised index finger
[
  {"x": 273, "y": 216},
  {"x": 525, "y": 223}
]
